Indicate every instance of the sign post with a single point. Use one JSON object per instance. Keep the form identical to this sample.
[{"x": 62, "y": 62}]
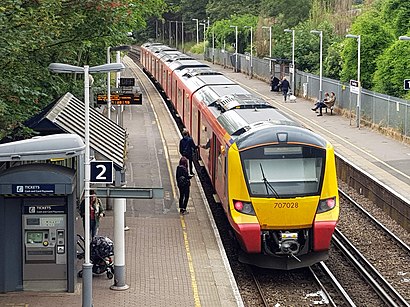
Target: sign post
[
  {"x": 355, "y": 88},
  {"x": 406, "y": 84},
  {"x": 101, "y": 172}
]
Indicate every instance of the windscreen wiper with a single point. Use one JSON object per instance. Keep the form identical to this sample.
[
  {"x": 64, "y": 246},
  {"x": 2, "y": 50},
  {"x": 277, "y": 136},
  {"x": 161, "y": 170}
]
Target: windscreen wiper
[{"x": 267, "y": 184}]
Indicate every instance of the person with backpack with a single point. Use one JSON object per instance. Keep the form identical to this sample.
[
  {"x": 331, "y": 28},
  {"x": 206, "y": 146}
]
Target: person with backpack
[
  {"x": 96, "y": 213},
  {"x": 184, "y": 184},
  {"x": 285, "y": 88},
  {"x": 187, "y": 148}
]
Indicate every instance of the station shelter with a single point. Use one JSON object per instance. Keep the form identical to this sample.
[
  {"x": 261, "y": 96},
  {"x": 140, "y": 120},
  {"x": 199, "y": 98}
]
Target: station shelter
[{"x": 41, "y": 184}]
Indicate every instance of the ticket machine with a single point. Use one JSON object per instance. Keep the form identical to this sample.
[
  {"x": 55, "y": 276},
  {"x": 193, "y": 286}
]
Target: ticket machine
[{"x": 44, "y": 247}]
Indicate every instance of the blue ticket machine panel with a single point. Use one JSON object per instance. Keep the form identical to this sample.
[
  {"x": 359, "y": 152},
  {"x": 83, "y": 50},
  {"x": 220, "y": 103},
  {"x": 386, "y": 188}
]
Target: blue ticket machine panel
[{"x": 44, "y": 248}]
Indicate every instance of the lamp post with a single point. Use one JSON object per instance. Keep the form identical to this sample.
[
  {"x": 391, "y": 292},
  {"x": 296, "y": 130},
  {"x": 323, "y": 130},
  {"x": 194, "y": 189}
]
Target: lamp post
[
  {"x": 404, "y": 38},
  {"x": 359, "y": 93},
  {"x": 320, "y": 33},
  {"x": 204, "y": 24},
  {"x": 197, "y": 29},
  {"x": 213, "y": 46},
  {"x": 169, "y": 32},
  {"x": 293, "y": 58},
  {"x": 270, "y": 46},
  {"x": 251, "y": 63},
  {"x": 236, "y": 47},
  {"x": 109, "y": 49},
  {"x": 182, "y": 35},
  {"x": 176, "y": 34},
  {"x": 86, "y": 70}
]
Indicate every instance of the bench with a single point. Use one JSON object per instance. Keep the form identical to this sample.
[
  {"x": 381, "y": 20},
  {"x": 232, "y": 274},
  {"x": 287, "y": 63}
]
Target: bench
[{"x": 329, "y": 105}]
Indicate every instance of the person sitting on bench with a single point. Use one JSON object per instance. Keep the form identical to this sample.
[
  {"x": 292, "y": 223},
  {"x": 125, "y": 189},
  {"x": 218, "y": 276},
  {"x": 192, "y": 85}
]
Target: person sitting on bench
[{"x": 328, "y": 102}]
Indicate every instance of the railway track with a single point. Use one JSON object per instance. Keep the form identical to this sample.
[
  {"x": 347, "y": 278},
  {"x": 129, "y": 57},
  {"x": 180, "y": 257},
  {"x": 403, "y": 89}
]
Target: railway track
[
  {"x": 381, "y": 286},
  {"x": 341, "y": 298}
]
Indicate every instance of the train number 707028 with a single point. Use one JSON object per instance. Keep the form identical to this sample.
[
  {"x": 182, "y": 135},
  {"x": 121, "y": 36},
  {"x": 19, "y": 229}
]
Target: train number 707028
[{"x": 290, "y": 205}]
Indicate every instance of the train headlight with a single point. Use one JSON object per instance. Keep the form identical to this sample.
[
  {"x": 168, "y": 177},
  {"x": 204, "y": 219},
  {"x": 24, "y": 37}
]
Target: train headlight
[
  {"x": 243, "y": 207},
  {"x": 326, "y": 205}
]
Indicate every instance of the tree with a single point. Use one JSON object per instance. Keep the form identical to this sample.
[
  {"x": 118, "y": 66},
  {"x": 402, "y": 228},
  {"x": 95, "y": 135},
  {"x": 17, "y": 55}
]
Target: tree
[
  {"x": 397, "y": 14},
  {"x": 393, "y": 67},
  {"x": 287, "y": 13},
  {"x": 36, "y": 33},
  {"x": 224, "y": 9},
  {"x": 376, "y": 36}
]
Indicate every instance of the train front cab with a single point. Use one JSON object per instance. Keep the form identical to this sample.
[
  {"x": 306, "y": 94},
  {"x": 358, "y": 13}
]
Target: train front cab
[{"x": 275, "y": 231}]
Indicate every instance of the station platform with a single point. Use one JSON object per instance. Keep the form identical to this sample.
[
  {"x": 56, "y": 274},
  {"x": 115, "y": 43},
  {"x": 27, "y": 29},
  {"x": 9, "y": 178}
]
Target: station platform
[
  {"x": 171, "y": 260},
  {"x": 174, "y": 260}
]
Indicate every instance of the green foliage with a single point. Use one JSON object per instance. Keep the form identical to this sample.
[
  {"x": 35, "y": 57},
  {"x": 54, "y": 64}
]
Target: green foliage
[
  {"x": 393, "y": 66},
  {"x": 397, "y": 14},
  {"x": 37, "y": 33},
  {"x": 224, "y": 33},
  {"x": 307, "y": 46},
  {"x": 287, "y": 13},
  {"x": 224, "y": 9},
  {"x": 375, "y": 37}
]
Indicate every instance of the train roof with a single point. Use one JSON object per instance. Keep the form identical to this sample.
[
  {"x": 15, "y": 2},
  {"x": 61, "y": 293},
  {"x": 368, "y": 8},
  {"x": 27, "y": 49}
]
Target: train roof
[
  {"x": 269, "y": 132},
  {"x": 238, "y": 121},
  {"x": 199, "y": 77},
  {"x": 211, "y": 93},
  {"x": 147, "y": 45},
  {"x": 184, "y": 63}
]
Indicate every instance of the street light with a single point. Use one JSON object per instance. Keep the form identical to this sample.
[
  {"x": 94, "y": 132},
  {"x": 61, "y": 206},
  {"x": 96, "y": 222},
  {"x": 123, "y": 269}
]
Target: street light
[
  {"x": 320, "y": 33},
  {"x": 293, "y": 58},
  {"x": 169, "y": 32},
  {"x": 404, "y": 38},
  {"x": 86, "y": 70},
  {"x": 197, "y": 29},
  {"x": 204, "y": 24},
  {"x": 109, "y": 49},
  {"x": 236, "y": 47},
  {"x": 359, "y": 93},
  {"x": 251, "y": 64},
  {"x": 270, "y": 46},
  {"x": 182, "y": 36},
  {"x": 176, "y": 34}
]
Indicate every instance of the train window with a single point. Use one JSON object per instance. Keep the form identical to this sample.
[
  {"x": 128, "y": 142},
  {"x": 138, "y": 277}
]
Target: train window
[{"x": 283, "y": 171}]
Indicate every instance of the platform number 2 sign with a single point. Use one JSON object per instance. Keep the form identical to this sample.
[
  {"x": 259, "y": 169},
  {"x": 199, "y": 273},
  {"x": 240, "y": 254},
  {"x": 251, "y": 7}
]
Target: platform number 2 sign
[{"x": 101, "y": 172}]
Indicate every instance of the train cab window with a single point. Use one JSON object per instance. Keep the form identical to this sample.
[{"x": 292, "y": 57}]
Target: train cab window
[{"x": 283, "y": 171}]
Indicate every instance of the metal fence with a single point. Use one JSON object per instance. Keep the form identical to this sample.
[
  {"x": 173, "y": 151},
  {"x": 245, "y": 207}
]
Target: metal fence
[{"x": 378, "y": 109}]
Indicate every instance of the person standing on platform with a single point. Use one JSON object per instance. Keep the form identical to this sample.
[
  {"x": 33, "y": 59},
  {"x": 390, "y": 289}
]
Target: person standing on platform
[
  {"x": 184, "y": 184},
  {"x": 285, "y": 88},
  {"x": 96, "y": 212},
  {"x": 187, "y": 148}
]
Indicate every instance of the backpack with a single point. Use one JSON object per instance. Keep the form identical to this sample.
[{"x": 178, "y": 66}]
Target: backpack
[
  {"x": 182, "y": 182},
  {"x": 185, "y": 148}
]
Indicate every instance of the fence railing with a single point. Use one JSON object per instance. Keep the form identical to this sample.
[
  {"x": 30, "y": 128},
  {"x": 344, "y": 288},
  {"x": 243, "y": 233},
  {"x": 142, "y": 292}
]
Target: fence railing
[{"x": 382, "y": 110}]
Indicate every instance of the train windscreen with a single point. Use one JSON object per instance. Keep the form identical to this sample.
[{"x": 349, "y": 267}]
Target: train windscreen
[{"x": 283, "y": 171}]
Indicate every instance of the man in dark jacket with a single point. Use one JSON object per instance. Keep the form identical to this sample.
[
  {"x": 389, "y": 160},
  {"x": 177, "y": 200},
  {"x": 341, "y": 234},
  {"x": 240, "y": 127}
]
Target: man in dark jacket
[
  {"x": 187, "y": 148},
  {"x": 285, "y": 88}
]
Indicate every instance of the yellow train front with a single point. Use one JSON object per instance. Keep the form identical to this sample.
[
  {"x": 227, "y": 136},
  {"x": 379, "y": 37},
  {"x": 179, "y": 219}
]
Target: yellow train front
[{"x": 283, "y": 197}]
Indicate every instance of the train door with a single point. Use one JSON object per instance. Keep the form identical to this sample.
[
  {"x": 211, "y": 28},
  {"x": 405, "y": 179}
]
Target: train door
[
  {"x": 219, "y": 170},
  {"x": 187, "y": 111},
  {"x": 168, "y": 89},
  {"x": 176, "y": 94},
  {"x": 179, "y": 103}
]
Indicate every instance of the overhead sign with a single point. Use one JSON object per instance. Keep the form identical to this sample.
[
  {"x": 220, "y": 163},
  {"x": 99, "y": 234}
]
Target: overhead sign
[
  {"x": 127, "y": 82},
  {"x": 101, "y": 172},
  {"x": 354, "y": 86},
  {"x": 33, "y": 188},
  {"x": 121, "y": 99},
  {"x": 406, "y": 84}
]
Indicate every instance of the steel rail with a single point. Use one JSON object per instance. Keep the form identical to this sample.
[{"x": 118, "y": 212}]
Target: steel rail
[
  {"x": 375, "y": 221},
  {"x": 382, "y": 287}
]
